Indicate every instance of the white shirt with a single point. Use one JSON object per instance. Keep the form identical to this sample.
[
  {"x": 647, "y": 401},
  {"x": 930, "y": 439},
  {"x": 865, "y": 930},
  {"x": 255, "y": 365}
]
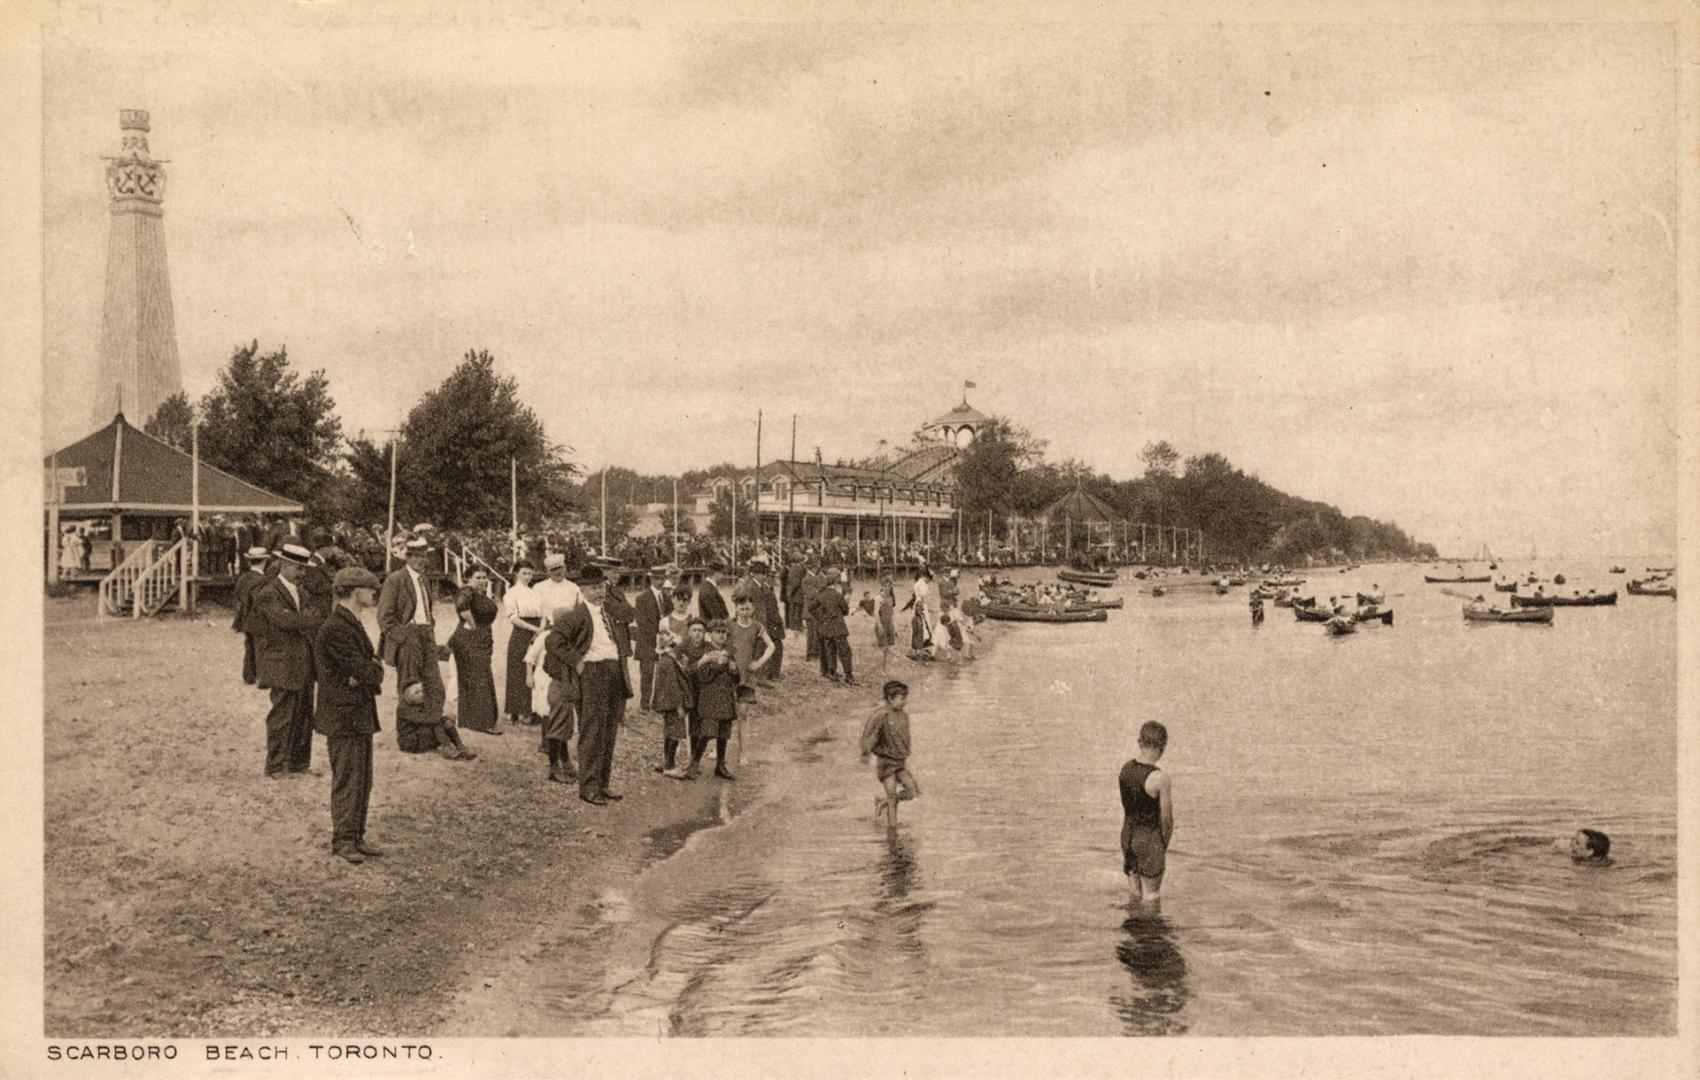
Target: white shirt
[
  {"x": 550, "y": 594},
  {"x": 294, "y": 593},
  {"x": 421, "y": 604},
  {"x": 520, "y": 602},
  {"x": 602, "y": 646}
]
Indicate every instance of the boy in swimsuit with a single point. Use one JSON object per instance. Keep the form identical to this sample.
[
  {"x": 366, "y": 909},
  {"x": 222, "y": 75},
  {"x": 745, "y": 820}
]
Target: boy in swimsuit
[
  {"x": 886, "y": 736},
  {"x": 1148, "y": 814}
]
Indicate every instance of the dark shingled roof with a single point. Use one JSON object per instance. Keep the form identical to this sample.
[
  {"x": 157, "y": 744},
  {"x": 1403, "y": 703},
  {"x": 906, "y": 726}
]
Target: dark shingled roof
[
  {"x": 1079, "y": 505},
  {"x": 128, "y": 469},
  {"x": 963, "y": 414}
]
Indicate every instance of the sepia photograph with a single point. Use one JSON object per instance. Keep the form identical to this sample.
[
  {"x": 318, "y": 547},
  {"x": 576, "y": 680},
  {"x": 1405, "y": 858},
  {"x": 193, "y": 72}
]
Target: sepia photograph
[{"x": 570, "y": 530}]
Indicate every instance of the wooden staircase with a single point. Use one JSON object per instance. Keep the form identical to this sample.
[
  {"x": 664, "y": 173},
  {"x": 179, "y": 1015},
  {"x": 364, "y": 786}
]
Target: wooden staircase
[{"x": 149, "y": 579}]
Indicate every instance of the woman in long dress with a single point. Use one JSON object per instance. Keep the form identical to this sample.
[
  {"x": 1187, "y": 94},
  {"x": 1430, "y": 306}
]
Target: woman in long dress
[
  {"x": 472, "y": 646},
  {"x": 525, "y": 622}
]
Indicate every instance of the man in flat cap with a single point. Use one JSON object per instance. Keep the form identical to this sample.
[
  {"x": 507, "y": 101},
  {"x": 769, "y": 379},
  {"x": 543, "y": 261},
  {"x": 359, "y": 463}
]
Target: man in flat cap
[
  {"x": 350, "y": 679},
  {"x": 247, "y": 582},
  {"x": 597, "y": 645},
  {"x": 284, "y": 627},
  {"x": 406, "y": 617}
]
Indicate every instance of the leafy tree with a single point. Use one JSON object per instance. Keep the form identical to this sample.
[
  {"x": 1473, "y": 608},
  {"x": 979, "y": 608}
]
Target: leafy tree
[
  {"x": 989, "y": 473},
  {"x": 720, "y": 515},
  {"x": 171, "y": 422},
  {"x": 457, "y": 445},
  {"x": 1160, "y": 458},
  {"x": 266, "y": 424}
]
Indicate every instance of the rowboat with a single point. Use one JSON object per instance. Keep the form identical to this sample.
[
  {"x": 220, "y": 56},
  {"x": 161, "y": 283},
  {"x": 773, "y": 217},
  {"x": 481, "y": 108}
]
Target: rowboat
[
  {"x": 1017, "y": 613},
  {"x": 1647, "y": 588},
  {"x": 1371, "y": 598},
  {"x": 1283, "y": 583},
  {"x": 1085, "y": 577},
  {"x": 1158, "y": 590},
  {"x": 1455, "y": 580},
  {"x": 1618, "y": 570},
  {"x": 1509, "y": 586},
  {"x": 1098, "y": 605},
  {"x": 1338, "y": 627},
  {"x": 1384, "y": 616},
  {"x": 1312, "y": 614},
  {"x": 1596, "y": 600},
  {"x": 1541, "y": 615},
  {"x": 1661, "y": 569}
]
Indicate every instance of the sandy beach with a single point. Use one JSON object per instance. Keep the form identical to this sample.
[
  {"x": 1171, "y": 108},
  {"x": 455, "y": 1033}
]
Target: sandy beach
[{"x": 188, "y": 895}]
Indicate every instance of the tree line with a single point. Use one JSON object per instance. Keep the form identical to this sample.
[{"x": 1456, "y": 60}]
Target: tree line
[
  {"x": 1004, "y": 473},
  {"x": 270, "y": 425}
]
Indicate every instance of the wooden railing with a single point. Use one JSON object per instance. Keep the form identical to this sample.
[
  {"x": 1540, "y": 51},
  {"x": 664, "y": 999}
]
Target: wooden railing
[
  {"x": 117, "y": 588},
  {"x": 163, "y": 579},
  {"x": 460, "y": 563}
]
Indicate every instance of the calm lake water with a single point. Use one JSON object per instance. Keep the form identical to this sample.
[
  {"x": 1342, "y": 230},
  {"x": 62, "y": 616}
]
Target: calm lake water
[{"x": 1362, "y": 844}]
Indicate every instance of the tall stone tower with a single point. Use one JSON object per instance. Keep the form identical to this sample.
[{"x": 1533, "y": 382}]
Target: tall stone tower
[{"x": 138, "y": 336}]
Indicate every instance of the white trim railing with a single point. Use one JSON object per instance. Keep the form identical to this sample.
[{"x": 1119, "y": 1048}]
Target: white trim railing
[{"x": 118, "y": 587}]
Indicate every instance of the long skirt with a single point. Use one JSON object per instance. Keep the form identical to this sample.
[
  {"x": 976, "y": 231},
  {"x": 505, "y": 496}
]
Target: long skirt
[
  {"x": 516, "y": 696},
  {"x": 920, "y": 634},
  {"x": 475, "y": 684}
]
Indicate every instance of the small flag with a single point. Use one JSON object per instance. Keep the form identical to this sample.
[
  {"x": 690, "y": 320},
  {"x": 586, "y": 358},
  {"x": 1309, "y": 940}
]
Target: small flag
[{"x": 969, "y": 385}]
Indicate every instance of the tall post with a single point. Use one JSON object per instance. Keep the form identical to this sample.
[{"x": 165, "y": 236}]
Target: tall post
[
  {"x": 513, "y": 506},
  {"x": 604, "y": 510},
  {"x": 675, "y": 521},
  {"x": 735, "y": 486},
  {"x": 54, "y": 540},
  {"x": 389, "y": 532},
  {"x": 188, "y": 560},
  {"x": 757, "y": 478}
]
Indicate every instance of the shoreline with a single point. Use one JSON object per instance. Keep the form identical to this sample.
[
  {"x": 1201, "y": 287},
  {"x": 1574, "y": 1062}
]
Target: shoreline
[{"x": 186, "y": 895}]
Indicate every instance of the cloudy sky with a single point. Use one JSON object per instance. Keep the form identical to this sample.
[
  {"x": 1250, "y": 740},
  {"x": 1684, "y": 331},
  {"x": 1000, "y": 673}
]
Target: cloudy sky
[{"x": 1424, "y": 273}]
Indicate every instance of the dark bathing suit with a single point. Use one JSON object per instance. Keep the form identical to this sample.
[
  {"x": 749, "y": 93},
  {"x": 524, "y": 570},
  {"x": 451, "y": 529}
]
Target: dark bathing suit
[{"x": 1142, "y": 831}]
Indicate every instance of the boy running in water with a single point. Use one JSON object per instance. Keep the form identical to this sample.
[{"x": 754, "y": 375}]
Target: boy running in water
[
  {"x": 1148, "y": 814},
  {"x": 886, "y": 736}
]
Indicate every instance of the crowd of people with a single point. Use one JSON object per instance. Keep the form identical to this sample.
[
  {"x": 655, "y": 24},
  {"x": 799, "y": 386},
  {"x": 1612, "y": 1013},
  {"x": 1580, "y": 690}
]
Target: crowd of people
[{"x": 705, "y": 643}]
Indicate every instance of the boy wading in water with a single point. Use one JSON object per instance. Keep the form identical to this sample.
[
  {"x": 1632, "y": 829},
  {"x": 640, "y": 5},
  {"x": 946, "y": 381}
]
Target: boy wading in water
[
  {"x": 1148, "y": 813},
  {"x": 886, "y": 736}
]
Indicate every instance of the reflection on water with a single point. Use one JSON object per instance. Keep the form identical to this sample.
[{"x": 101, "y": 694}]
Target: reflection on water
[
  {"x": 1158, "y": 995},
  {"x": 1364, "y": 844}
]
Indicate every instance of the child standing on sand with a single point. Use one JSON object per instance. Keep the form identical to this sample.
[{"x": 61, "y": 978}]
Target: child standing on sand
[
  {"x": 1148, "y": 813},
  {"x": 886, "y": 736},
  {"x": 716, "y": 685}
]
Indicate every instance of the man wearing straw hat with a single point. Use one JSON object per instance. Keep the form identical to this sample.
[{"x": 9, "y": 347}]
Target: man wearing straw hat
[{"x": 283, "y": 662}]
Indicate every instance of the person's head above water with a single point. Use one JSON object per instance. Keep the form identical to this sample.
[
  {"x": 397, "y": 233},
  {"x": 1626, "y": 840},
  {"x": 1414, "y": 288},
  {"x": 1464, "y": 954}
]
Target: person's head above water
[{"x": 1589, "y": 845}]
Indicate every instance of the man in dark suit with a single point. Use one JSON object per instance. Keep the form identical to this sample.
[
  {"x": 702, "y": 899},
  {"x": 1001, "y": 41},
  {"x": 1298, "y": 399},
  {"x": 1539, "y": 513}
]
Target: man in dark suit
[
  {"x": 597, "y": 645},
  {"x": 652, "y": 602},
  {"x": 243, "y": 601},
  {"x": 710, "y": 604},
  {"x": 794, "y": 593},
  {"x": 350, "y": 679},
  {"x": 283, "y": 663},
  {"x": 405, "y": 610},
  {"x": 811, "y": 584},
  {"x": 829, "y": 611}
]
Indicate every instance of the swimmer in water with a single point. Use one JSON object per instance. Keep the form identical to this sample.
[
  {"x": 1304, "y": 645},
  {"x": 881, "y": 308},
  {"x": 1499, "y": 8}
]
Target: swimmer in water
[
  {"x": 1148, "y": 813},
  {"x": 1588, "y": 846}
]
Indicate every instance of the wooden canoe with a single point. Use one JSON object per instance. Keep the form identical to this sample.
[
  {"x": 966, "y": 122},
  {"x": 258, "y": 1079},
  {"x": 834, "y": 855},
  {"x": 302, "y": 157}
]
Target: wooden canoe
[
  {"x": 1597, "y": 600},
  {"x": 1646, "y": 588},
  {"x": 1542, "y": 615},
  {"x": 1456, "y": 580},
  {"x": 1510, "y": 586},
  {"x": 1312, "y": 614},
  {"x": 1384, "y": 616},
  {"x": 1083, "y": 577},
  {"x": 1014, "y": 613}
]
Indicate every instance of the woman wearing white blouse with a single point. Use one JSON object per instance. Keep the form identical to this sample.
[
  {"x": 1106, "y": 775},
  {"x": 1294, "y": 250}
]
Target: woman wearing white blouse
[{"x": 524, "y": 622}]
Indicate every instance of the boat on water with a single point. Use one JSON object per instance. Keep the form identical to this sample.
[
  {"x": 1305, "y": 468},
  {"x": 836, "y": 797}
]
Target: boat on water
[
  {"x": 1312, "y": 613},
  {"x": 1158, "y": 590},
  {"x": 1087, "y": 577},
  {"x": 1509, "y": 586},
  {"x": 1618, "y": 570},
  {"x": 1661, "y": 569},
  {"x": 1591, "y": 600},
  {"x": 1344, "y": 625},
  {"x": 1541, "y": 615},
  {"x": 1384, "y": 616},
  {"x": 1283, "y": 583},
  {"x": 1466, "y": 579},
  {"x": 1022, "y": 613},
  {"x": 1365, "y": 598},
  {"x": 1650, "y": 588}
]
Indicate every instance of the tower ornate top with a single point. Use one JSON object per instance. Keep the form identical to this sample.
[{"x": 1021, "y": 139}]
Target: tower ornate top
[{"x": 134, "y": 180}]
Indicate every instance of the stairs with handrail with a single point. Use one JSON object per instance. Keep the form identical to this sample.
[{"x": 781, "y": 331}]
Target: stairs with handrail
[{"x": 117, "y": 588}]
